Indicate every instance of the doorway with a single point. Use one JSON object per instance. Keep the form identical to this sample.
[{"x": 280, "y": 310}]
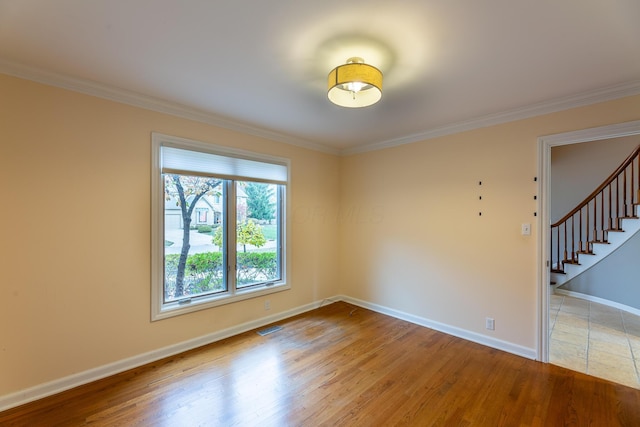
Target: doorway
[{"x": 548, "y": 304}]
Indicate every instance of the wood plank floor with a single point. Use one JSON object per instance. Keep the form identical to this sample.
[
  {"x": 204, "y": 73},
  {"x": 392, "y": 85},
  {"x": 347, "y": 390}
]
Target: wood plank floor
[{"x": 340, "y": 366}]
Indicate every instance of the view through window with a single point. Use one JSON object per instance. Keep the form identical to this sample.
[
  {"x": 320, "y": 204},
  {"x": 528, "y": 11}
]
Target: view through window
[{"x": 205, "y": 256}]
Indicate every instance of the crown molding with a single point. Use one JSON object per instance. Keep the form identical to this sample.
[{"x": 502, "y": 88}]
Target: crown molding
[
  {"x": 175, "y": 109},
  {"x": 122, "y": 96},
  {"x": 617, "y": 130},
  {"x": 608, "y": 93}
]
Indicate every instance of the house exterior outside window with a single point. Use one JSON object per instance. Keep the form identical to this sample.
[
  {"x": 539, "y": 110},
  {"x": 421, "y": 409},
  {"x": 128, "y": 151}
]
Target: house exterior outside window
[
  {"x": 241, "y": 197},
  {"x": 202, "y": 216}
]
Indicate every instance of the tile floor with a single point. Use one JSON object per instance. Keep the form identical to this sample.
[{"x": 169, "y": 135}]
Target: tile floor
[{"x": 595, "y": 339}]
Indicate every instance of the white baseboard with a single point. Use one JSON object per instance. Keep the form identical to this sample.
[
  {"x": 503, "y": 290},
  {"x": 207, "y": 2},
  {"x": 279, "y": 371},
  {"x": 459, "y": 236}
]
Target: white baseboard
[
  {"x": 56, "y": 386},
  {"x": 602, "y": 301},
  {"x": 518, "y": 350},
  {"x": 47, "y": 389}
]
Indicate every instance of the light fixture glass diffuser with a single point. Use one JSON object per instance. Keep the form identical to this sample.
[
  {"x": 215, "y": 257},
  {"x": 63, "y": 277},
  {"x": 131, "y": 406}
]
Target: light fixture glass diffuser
[{"x": 355, "y": 84}]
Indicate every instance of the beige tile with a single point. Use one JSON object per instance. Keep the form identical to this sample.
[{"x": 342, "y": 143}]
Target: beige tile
[
  {"x": 634, "y": 343},
  {"x": 573, "y": 319},
  {"x": 575, "y": 302},
  {"x": 606, "y": 311},
  {"x": 613, "y": 321},
  {"x": 566, "y": 351},
  {"x": 632, "y": 328},
  {"x": 624, "y": 373},
  {"x": 582, "y": 331},
  {"x": 613, "y": 339},
  {"x": 574, "y": 363},
  {"x": 608, "y": 329},
  {"x": 583, "y": 312},
  {"x": 574, "y": 312},
  {"x": 605, "y": 333},
  {"x": 567, "y": 337},
  {"x": 603, "y": 309},
  {"x": 618, "y": 349},
  {"x": 607, "y": 358},
  {"x": 555, "y": 303},
  {"x": 630, "y": 317},
  {"x": 556, "y": 299}
]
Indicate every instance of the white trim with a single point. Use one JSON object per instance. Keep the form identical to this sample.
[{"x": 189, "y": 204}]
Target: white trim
[
  {"x": 59, "y": 385},
  {"x": 559, "y": 104},
  {"x": 56, "y": 386},
  {"x": 160, "y": 310},
  {"x": 617, "y": 130},
  {"x": 542, "y": 242},
  {"x": 602, "y": 301},
  {"x": 122, "y": 96},
  {"x": 516, "y": 349},
  {"x": 545, "y": 143},
  {"x": 162, "y": 106}
]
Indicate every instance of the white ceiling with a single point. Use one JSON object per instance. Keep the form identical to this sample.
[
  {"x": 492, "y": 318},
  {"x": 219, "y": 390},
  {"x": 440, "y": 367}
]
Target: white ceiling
[{"x": 261, "y": 66}]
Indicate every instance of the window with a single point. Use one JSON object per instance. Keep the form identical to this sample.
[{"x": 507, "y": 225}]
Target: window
[
  {"x": 240, "y": 252},
  {"x": 202, "y": 216}
]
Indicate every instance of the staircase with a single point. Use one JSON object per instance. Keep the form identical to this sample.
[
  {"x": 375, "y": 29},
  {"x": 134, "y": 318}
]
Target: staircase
[{"x": 595, "y": 228}]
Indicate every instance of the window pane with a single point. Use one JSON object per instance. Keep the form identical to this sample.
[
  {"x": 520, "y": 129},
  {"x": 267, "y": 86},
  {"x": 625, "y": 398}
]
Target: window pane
[
  {"x": 194, "y": 261},
  {"x": 258, "y": 221}
]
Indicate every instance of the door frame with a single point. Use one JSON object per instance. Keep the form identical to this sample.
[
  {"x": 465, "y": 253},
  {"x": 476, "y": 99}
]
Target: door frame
[{"x": 545, "y": 143}]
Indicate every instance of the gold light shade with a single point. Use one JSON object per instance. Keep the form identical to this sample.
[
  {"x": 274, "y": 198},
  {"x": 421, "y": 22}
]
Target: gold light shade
[{"x": 355, "y": 84}]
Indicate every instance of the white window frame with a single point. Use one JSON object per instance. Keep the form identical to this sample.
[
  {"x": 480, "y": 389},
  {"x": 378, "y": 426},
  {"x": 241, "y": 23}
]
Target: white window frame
[{"x": 160, "y": 309}]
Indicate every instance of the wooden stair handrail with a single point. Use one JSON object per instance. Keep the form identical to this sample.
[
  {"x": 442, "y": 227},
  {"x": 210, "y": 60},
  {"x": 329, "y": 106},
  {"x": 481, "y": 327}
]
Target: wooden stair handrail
[{"x": 601, "y": 187}]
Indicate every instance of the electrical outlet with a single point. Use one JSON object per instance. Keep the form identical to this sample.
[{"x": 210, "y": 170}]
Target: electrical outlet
[
  {"x": 267, "y": 305},
  {"x": 490, "y": 323}
]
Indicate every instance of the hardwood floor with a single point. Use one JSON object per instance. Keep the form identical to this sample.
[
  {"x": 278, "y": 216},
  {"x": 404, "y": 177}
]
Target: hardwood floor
[{"x": 340, "y": 365}]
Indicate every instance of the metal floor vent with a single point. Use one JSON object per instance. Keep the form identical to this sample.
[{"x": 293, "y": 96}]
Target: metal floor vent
[{"x": 269, "y": 330}]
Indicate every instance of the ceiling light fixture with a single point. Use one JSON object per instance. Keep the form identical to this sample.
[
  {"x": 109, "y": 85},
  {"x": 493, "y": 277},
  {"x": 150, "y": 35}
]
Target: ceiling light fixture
[{"x": 355, "y": 84}]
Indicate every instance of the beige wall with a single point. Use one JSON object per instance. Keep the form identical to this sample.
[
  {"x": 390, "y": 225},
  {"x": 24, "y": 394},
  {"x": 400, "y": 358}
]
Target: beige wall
[
  {"x": 397, "y": 227},
  {"x": 75, "y": 233},
  {"x": 427, "y": 252}
]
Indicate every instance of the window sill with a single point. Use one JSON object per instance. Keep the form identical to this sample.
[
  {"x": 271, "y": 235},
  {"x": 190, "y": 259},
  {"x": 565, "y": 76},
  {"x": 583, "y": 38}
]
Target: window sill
[{"x": 176, "y": 309}]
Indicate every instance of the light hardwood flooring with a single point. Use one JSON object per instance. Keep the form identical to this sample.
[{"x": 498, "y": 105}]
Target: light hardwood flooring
[
  {"x": 595, "y": 339},
  {"x": 340, "y": 366}
]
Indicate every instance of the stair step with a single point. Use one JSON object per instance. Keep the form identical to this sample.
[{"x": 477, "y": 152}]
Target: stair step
[
  {"x": 585, "y": 253},
  {"x": 557, "y": 271},
  {"x": 570, "y": 261}
]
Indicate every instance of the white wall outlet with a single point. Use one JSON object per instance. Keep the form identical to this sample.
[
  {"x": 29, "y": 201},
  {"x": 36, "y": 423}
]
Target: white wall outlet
[
  {"x": 526, "y": 229},
  {"x": 490, "y": 323},
  {"x": 267, "y": 305}
]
